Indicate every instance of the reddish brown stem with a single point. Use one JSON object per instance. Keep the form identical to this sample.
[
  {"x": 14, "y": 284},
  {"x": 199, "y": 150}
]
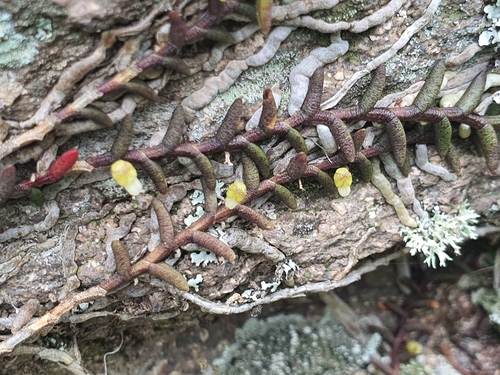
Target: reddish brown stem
[{"x": 56, "y": 171}]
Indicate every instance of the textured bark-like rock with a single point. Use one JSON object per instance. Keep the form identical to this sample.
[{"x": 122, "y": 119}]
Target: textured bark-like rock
[{"x": 318, "y": 236}]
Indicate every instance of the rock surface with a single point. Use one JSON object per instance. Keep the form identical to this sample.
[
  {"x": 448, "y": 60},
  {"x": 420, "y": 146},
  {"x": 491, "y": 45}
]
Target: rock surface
[{"x": 71, "y": 250}]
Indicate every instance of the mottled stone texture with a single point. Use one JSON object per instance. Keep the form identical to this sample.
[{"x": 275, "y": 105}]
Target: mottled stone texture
[{"x": 318, "y": 236}]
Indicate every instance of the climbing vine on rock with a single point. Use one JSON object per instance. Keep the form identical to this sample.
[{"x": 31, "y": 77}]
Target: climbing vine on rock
[{"x": 399, "y": 128}]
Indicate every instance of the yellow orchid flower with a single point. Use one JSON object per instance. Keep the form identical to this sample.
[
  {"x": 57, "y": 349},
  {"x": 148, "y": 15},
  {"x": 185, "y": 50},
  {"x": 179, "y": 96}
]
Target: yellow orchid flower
[
  {"x": 343, "y": 181},
  {"x": 235, "y": 194},
  {"x": 125, "y": 175}
]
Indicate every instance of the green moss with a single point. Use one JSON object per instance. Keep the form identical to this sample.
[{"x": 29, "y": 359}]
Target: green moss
[
  {"x": 353, "y": 57},
  {"x": 307, "y": 276},
  {"x": 493, "y": 109},
  {"x": 453, "y": 12},
  {"x": 312, "y": 189},
  {"x": 135, "y": 205}
]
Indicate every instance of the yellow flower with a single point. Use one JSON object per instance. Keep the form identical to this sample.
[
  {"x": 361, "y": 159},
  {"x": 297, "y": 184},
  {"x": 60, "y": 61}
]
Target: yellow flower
[
  {"x": 414, "y": 347},
  {"x": 125, "y": 175},
  {"x": 235, "y": 194},
  {"x": 343, "y": 181}
]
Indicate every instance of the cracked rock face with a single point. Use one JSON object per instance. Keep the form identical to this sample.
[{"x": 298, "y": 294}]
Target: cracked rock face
[
  {"x": 315, "y": 224},
  {"x": 319, "y": 236}
]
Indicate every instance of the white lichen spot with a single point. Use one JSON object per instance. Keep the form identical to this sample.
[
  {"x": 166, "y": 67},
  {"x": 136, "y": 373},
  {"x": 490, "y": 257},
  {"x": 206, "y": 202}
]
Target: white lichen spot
[
  {"x": 203, "y": 257},
  {"x": 84, "y": 306},
  {"x": 273, "y": 286},
  {"x": 491, "y": 35},
  {"x": 195, "y": 283},
  {"x": 197, "y": 197},
  {"x": 289, "y": 267},
  {"x": 44, "y": 29},
  {"x": 218, "y": 190},
  {"x": 435, "y": 234},
  {"x": 194, "y": 218}
]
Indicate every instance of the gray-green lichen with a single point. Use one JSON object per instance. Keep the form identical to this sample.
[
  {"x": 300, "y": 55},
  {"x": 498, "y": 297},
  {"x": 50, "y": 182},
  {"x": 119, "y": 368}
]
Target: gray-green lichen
[
  {"x": 489, "y": 300},
  {"x": 294, "y": 344},
  {"x": 491, "y": 35},
  {"x": 413, "y": 367},
  {"x": 440, "y": 366},
  {"x": 252, "y": 82},
  {"x": 17, "y": 50},
  {"x": 434, "y": 235}
]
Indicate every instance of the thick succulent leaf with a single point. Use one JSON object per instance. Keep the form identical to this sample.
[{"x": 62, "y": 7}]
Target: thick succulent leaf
[
  {"x": 168, "y": 274},
  {"x": 472, "y": 96},
  {"x": 122, "y": 259},
  {"x": 297, "y": 166},
  {"x": 442, "y": 136},
  {"x": 312, "y": 101},
  {"x": 489, "y": 144},
  {"x": 255, "y": 153},
  {"x": 213, "y": 244},
  {"x": 175, "y": 130},
  {"x": 250, "y": 173},
  {"x": 285, "y": 195},
  {"x": 253, "y": 216},
  {"x": 165, "y": 224},
  {"x": 268, "y": 116},
  {"x": 123, "y": 139},
  {"x": 430, "y": 89},
  {"x": 229, "y": 125},
  {"x": 95, "y": 114},
  {"x": 296, "y": 140},
  {"x": 374, "y": 90}
]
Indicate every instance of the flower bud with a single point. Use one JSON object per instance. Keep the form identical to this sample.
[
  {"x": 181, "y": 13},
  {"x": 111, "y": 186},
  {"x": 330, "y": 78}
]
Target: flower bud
[
  {"x": 235, "y": 194},
  {"x": 343, "y": 181},
  {"x": 125, "y": 175}
]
